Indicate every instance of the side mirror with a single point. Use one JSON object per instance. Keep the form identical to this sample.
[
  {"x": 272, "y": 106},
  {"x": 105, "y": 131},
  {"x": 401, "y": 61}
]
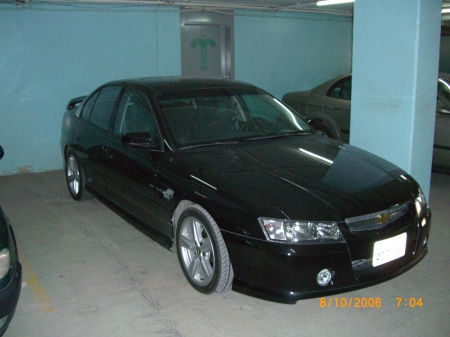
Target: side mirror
[
  {"x": 2, "y": 153},
  {"x": 138, "y": 139}
]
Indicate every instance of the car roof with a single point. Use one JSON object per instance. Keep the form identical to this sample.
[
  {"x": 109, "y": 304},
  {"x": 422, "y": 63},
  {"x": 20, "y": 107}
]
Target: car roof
[{"x": 175, "y": 83}]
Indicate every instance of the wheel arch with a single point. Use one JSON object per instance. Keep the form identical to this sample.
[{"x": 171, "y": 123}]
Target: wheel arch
[
  {"x": 318, "y": 116},
  {"x": 65, "y": 152},
  {"x": 224, "y": 275},
  {"x": 182, "y": 205}
]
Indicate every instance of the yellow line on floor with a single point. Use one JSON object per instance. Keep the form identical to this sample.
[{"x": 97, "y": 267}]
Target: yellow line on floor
[{"x": 38, "y": 291}]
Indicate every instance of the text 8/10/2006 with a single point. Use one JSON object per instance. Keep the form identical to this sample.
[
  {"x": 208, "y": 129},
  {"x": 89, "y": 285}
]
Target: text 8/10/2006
[{"x": 357, "y": 302}]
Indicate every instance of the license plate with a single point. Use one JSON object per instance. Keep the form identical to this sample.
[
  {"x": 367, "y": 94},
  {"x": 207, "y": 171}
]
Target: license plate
[{"x": 388, "y": 250}]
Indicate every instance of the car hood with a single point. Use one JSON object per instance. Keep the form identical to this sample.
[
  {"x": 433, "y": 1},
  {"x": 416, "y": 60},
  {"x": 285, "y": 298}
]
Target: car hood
[{"x": 299, "y": 177}]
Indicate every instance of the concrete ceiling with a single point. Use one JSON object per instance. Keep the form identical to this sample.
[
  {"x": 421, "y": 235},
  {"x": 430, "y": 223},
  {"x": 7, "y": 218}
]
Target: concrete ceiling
[
  {"x": 308, "y": 6},
  {"x": 264, "y": 5},
  {"x": 275, "y": 5}
]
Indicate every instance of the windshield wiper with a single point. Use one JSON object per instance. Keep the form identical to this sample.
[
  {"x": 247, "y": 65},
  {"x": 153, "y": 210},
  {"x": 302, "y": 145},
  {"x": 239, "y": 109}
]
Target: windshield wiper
[
  {"x": 276, "y": 135},
  {"x": 206, "y": 145}
]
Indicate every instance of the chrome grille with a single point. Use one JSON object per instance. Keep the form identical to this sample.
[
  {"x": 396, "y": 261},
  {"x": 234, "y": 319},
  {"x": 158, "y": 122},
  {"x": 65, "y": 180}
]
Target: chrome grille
[{"x": 376, "y": 220}]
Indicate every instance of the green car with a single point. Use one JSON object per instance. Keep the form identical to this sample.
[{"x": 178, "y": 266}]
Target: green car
[{"x": 327, "y": 108}]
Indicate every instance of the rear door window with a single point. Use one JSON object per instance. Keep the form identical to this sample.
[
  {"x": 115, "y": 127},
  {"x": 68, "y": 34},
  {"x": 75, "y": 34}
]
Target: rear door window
[{"x": 87, "y": 108}]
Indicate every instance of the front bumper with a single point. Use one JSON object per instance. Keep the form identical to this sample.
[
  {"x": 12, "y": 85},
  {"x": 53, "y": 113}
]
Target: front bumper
[
  {"x": 9, "y": 296},
  {"x": 287, "y": 273}
]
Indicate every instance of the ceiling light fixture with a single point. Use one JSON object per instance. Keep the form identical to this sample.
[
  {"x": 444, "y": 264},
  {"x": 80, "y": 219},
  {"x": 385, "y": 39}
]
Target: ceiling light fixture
[
  {"x": 445, "y": 10},
  {"x": 332, "y": 2}
]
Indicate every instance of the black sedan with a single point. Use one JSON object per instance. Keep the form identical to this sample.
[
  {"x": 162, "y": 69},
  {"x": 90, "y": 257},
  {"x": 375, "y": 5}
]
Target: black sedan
[
  {"x": 10, "y": 271},
  {"x": 246, "y": 192}
]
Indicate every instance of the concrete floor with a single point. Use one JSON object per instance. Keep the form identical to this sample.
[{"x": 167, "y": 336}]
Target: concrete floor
[{"x": 87, "y": 272}]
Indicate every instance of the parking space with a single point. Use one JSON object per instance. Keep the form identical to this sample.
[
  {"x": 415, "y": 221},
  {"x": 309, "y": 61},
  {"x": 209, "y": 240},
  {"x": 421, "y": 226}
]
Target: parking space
[{"x": 88, "y": 272}]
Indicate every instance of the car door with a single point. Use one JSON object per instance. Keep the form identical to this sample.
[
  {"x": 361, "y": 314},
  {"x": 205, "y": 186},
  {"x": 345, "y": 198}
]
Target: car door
[
  {"x": 91, "y": 134},
  {"x": 131, "y": 170},
  {"x": 337, "y": 103}
]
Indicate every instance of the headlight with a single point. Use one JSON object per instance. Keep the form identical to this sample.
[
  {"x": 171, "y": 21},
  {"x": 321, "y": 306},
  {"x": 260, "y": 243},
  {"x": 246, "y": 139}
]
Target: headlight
[
  {"x": 421, "y": 203},
  {"x": 5, "y": 262},
  {"x": 300, "y": 231}
]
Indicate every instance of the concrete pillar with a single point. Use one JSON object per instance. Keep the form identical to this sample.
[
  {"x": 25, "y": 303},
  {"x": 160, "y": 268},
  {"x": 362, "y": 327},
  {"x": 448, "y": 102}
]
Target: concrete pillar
[{"x": 395, "y": 72}]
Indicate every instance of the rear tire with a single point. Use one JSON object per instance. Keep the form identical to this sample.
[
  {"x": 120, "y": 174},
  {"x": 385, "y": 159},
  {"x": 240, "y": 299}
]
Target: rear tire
[
  {"x": 201, "y": 251},
  {"x": 76, "y": 181}
]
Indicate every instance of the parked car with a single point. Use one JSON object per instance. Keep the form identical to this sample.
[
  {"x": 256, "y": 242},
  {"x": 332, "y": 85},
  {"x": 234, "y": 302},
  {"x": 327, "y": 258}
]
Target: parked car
[
  {"x": 10, "y": 271},
  {"x": 244, "y": 190},
  {"x": 327, "y": 107}
]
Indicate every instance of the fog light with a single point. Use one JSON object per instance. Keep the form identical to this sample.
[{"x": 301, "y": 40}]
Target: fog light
[
  {"x": 425, "y": 241},
  {"x": 324, "y": 277}
]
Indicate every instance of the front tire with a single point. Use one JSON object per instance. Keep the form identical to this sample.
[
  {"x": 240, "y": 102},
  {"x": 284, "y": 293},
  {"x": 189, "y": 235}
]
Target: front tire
[
  {"x": 76, "y": 181},
  {"x": 202, "y": 253}
]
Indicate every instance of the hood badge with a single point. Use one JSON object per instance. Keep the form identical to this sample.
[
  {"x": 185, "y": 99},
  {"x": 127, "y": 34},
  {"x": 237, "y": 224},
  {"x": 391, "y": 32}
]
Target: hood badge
[
  {"x": 383, "y": 218},
  {"x": 376, "y": 220}
]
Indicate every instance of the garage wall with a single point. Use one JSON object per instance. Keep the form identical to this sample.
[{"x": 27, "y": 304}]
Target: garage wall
[
  {"x": 288, "y": 52},
  {"x": 50, "y": 54}
]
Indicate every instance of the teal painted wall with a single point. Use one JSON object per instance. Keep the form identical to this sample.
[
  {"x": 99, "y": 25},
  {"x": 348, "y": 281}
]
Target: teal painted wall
[
  {"x": 289, "y": 52},
  {"x": 50, "y": 54},
  {"x": 395, "y": 73}
]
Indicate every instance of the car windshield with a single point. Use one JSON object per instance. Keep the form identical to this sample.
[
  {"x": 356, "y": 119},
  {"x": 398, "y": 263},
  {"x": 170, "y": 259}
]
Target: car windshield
[{"x": 222, "y": 115}]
